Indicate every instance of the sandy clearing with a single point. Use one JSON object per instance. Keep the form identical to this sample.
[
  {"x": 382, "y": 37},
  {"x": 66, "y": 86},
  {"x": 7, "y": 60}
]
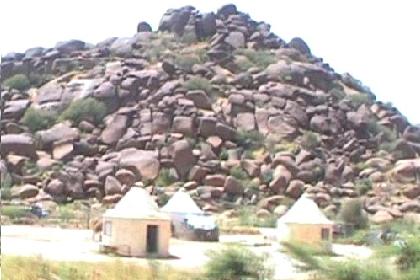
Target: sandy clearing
[{"x": 77, "y": 245}]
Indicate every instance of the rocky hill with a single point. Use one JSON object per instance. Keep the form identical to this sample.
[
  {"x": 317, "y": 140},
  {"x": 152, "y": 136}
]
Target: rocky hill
[{"x": 214, "y": 102}]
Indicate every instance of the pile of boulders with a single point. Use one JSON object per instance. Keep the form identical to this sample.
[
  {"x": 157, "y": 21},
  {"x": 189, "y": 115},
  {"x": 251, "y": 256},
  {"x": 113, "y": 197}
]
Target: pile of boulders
[{"x": 156, "y": 122}]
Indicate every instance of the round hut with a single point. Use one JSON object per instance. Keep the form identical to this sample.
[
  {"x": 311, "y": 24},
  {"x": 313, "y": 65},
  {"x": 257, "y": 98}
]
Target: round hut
[
  {"x": 188, "y": 220},
  {"x": 135, "y": 226},
  {"x": 305, "y": 222}
]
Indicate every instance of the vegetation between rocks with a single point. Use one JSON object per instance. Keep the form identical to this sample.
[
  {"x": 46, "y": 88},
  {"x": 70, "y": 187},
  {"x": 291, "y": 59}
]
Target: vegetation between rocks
[
  {"x": 88, "y": 109},
  {"x": 19, "y": 82}
]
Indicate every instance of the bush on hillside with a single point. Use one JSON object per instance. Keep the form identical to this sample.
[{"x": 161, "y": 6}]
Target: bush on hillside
[
  {"x": 234, "y": 263},
  {"x": 165, "y": 178},
  {"x": 257, "y": 58},
  {"x": 238, "y": 173},
  {"x": 338, "y": 94},
  {"x": 88, "y": 109},
  {"x": 18, "y": 81},
  {"x": 186, "y": 61},
  {"x": 250, "y": 139},
  {"x": 351, "y": 212},
  {"x": 356, "y": 100},
  {"x": 310, "y": 140},
  {"x": 36, "y": 119},
  {"x": 363, "y": 185},
  {"x": 198, "y": 83}
]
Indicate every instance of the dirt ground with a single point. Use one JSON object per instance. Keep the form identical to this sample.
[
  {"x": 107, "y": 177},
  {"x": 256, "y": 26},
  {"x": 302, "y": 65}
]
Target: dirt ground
[{"x": 78, "y": 245}]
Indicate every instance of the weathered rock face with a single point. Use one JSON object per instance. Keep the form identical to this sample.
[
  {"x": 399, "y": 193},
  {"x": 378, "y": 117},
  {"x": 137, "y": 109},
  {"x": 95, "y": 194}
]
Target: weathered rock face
[
  {"x": 143, "y": 162},
  {"x": 19, "y": 144},
  {"x": 224, "y": 106},
  {"x": 183, "y": 157},
  {"x": 114, "y": 130}
]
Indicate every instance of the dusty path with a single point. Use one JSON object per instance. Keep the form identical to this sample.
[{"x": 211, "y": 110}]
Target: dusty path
[{"x": 77, "y": 245}]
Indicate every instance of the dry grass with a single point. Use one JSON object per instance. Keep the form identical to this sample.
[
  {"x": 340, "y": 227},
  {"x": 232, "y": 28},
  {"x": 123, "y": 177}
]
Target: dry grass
[{"x": 25, "y": 268}]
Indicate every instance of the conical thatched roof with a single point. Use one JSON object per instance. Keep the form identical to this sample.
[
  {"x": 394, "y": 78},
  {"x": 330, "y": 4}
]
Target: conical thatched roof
[
  {"x": 304, "y": 211},
  {"x": 136, "y": 204},
  {"x": 181, "y": 203}
]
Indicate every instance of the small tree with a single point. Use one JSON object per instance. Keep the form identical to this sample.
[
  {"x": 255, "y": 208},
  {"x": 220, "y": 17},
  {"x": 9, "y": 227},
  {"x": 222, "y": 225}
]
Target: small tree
[
  {"x": 351, "y": 212},
  {"x": 18, "y": 81},
  {"x": 36, "y": 119},
  {"x": 88, "y": 109},
  {"x": 310, "y": 140}
]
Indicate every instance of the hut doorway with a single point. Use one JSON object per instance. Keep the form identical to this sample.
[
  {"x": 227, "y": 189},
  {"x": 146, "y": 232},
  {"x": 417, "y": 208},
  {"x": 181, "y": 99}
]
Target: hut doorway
[{"x": 152, "y": 239}]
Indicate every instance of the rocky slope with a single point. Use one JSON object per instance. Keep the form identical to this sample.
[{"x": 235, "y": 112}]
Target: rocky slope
[{"x": 214, "y": 102}]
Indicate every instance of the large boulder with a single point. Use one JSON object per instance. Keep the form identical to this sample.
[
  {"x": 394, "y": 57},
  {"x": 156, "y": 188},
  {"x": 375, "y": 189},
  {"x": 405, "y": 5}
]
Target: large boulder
[
  {"x": 407, "y": 171},
  {"x": 412, "y": 134},
  {"x": 200, "y": 99},
  {"x": 175, "y": 20},
  {"x": 184, "y": 125},
  {"x": 143, "y": 162},
  {"x": 236, "y": 39},
  {"x": 245, "y": 121},
  {"x": 70, "y": 46},
  {"x": 233, "y": 186},
  {"x": 125, "y": 177},
  {"x": 114, "y": 130},
  {"x": 15, "y": 109},
  {"x": 144, "y": 27},
  {"x": 282, "y": 177},
  {"x": 112, "y": 186},
  {"x": 300, "y": 45},
  {"x": 59, "y": 132},
  {"x": 206, "y": 26},
  {"x": 25, "y": 191},
  {"x": 324, "y": 125},
  {"x": 55, "y": 187},
  {"x": 19, "y": 144},
  {"x": 183, "y": 157}
]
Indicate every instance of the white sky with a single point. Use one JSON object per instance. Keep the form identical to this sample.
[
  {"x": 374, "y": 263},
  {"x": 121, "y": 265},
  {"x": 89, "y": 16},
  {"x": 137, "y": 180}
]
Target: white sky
[{"x": 377, "y": 41}]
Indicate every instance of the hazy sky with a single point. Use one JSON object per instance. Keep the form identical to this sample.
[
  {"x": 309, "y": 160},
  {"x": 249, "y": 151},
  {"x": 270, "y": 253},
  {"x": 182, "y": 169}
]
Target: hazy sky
[{"x": 377, "y": 41}]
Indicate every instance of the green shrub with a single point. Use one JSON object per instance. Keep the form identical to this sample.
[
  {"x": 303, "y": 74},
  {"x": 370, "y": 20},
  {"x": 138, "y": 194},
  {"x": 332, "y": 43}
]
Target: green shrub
[
  {"x": 356, "y": 270},
  {"x": 186, "y": 61},
  {"x": 310, "y": 140},
  {"x": 234, "y": 263},
  {"x": 5, "y": 184},
  {"x": 36, "y": 119},
  {"x": 356, "y": 100},
  {"x": 224, "y": 154},
  {"x": 247, "y": 217},
  {"x": 351, "y": 212},
  {"x": 411, "y": 274},
  {"x": 336, "y": 270},
  {"x": 250, "y": 139},
  {"x": 338, "y": 94},
  {"x": 13, "y": 211},
  {"x": 258, "y": 58},
  {"x": 38, "y": 80},
  {"x": 363, "y": 185},
  {"x": 165, "y": 178},
  {"x": 198, "y": 83},
  {"x": 238, "y": 173},
  {"x": 387, "y": 134},
  {"x": 267, "y": 176},
  {"x": 18, "y": 81},
  {"x": 88, "y": 109},
  {"x": 304, "y": 255},
  {"x": 66, "y": 212},
  {"x": 408, "y": 254}
]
